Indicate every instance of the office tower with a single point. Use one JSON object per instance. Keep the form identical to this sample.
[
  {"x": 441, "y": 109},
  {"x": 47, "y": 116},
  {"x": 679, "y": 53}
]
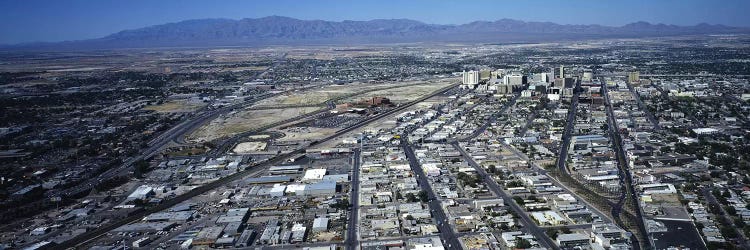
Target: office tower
[
  {"x": 471, "y": 77},
  {"x": 634, "y": 77}
]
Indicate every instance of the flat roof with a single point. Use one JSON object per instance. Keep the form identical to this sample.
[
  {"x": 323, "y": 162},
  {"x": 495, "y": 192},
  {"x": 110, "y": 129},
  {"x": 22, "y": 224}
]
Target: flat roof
[{"x": 268, "y": 179}]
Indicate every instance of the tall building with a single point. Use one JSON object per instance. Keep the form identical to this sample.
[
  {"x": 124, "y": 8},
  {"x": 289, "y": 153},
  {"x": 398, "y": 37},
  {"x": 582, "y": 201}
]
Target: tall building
[
  {"x": 562, "y": 71},
  {"x": 588, "y": 76},
  {"x": 514, "y": 79},
  {"x": 634, "y": 77},
  {"x": 543, "y": 77},
  {"x": 471, "y": 77}
]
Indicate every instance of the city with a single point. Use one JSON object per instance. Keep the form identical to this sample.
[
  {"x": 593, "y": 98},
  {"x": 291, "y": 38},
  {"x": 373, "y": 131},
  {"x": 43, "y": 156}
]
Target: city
[{"x": 595, "y": 143}]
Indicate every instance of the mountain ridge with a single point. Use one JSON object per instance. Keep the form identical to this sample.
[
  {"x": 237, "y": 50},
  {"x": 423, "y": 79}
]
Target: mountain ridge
[{"x": 280, "y": 30}]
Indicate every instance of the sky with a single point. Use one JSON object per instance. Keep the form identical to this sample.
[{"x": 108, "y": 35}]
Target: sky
[{"x": 24, "y": 21}]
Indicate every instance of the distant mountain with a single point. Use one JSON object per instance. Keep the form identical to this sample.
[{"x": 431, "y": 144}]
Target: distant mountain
[{"x": 290, "y": 31}]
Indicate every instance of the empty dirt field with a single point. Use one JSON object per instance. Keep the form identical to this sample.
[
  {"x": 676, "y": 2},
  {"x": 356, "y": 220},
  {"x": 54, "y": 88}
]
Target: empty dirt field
[
  {"x": 319, "y": 95},
  {"x": 306, "y": 133},
  {"x": 243, "y": 121},
  {"x": 176, "y": 106},
  {"x": 406, "y": 93},
  {"x": 250, "y": 147}
]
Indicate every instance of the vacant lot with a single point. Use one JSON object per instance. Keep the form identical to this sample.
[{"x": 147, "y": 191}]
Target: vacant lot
[
  {"x": 306, "y": 133},
  {"x": 245, "y": 120},
  {"x": 176, "y": 106},
  {"x": 249, "y": 147},
  {"x": 406, "y": 93}
]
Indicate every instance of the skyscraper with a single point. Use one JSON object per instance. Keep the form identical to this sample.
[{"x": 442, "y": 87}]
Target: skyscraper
[
  {"x": 562, "y": 71},
  {"x": 471, "y": 77},
  {"x": 634, "y": 77}
]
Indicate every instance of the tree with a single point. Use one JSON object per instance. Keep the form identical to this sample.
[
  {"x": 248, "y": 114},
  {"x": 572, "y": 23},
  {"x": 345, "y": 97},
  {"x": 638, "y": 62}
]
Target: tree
[
  {"x": 410, "y": 197},
  {"x": 423, "y": 196},
  {"x": 731, "y": 210},
  {"x": 553, "y": 233},
  {"x": 522, "y": 243},
  {"x": 140, "y": 167},
  {"x": 491, "y": 169}
]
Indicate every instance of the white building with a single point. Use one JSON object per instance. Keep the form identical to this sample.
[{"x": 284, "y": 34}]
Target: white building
[
  {"x": 314, "y": 174},
  {"x": 320, "y": 225},
  {"x": 471, "y": 78},
  {"x": 514, "y": 79}
]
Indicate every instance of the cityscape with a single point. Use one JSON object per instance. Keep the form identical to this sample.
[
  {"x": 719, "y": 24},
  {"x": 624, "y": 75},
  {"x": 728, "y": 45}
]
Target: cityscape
[{"x": 632, "y": 137}]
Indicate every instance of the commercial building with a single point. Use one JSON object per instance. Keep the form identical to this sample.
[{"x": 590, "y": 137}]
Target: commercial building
[
  {"x": 320, "y": 225},
  {"x": 470, "y": 78},
  {"x": 634, "y": 77},
  {"x": 573, "y": 240}
]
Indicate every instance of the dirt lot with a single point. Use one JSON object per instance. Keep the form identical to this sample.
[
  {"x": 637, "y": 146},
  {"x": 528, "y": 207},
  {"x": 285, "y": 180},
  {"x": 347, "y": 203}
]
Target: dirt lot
[
  {"x": 405, "y": 94},
  {"x": 176, "y": 106},
  {"x": 249, "y": 147},
  {"x": 322, "y": 94},
  {"x": 305, "y": 133},
  {"x": 243, "y": 121}
]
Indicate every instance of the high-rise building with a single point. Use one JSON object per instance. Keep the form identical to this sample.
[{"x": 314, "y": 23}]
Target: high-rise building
[
  {"x": 587, "y": 76},
  {"x": 562, "y": 71},
  {"x": 471, "y": 77},
  {"x": 634, "y": 77},
  {"x": 543, "y": 77},
  {"x": 514, "y": 79}
]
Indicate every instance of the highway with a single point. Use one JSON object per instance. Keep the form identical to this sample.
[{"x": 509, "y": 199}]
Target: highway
[
  {"x": 625, "y": 176},
  {"x": 447, "y": 235},
  {"x": 102, "y": 230},
  {"x": 155, "y": 146},
  {"x": 159, "y": 142}
]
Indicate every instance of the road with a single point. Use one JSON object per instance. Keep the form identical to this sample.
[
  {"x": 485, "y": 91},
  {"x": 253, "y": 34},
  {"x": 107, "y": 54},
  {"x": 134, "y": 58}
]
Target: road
[
  {"x": 352, "y": 232},
  {"x": 534, "y": 229},
  {"x": 447, "y": 235},
  {"x": 103, "y": 229},
  {"x": 642, "y": 106},
  {"x": 489, "y": 122},
  {"x": 626, "y": 180},
  {"x": 158, "y": 143},
  {"x": 557, "y": 183},
  {"x": 568, "y": 133},
  {"x": 741, "y": 235}
]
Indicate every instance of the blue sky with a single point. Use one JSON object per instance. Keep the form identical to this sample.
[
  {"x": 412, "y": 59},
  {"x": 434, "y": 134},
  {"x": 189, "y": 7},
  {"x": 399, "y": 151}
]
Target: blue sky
[{"x": 59, "y": 20}]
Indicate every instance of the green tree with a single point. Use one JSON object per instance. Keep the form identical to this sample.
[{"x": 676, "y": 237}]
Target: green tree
[
  {"x": 522, "y": 243},
  {"x": 423, "y": 196},
  {"x": 553, "y": 233}
]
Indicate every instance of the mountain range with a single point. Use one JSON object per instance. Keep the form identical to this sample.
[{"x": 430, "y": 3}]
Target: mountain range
[{"x": 278, "y": 30}]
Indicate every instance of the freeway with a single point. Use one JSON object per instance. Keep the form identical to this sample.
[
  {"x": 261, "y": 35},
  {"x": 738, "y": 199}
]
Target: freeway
[
  {"x": 159, "y": 142},
  {"x": 448, "y": 236},
  {"x": 155, "y": 146},
  {"x": 534, "y": 229},
  {"x": 89, "y": 236},
  {"x": 625, "y": 176}
]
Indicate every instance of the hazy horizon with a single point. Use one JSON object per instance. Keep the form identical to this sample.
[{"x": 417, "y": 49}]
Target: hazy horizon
[{"x": 53, "y": 21}]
